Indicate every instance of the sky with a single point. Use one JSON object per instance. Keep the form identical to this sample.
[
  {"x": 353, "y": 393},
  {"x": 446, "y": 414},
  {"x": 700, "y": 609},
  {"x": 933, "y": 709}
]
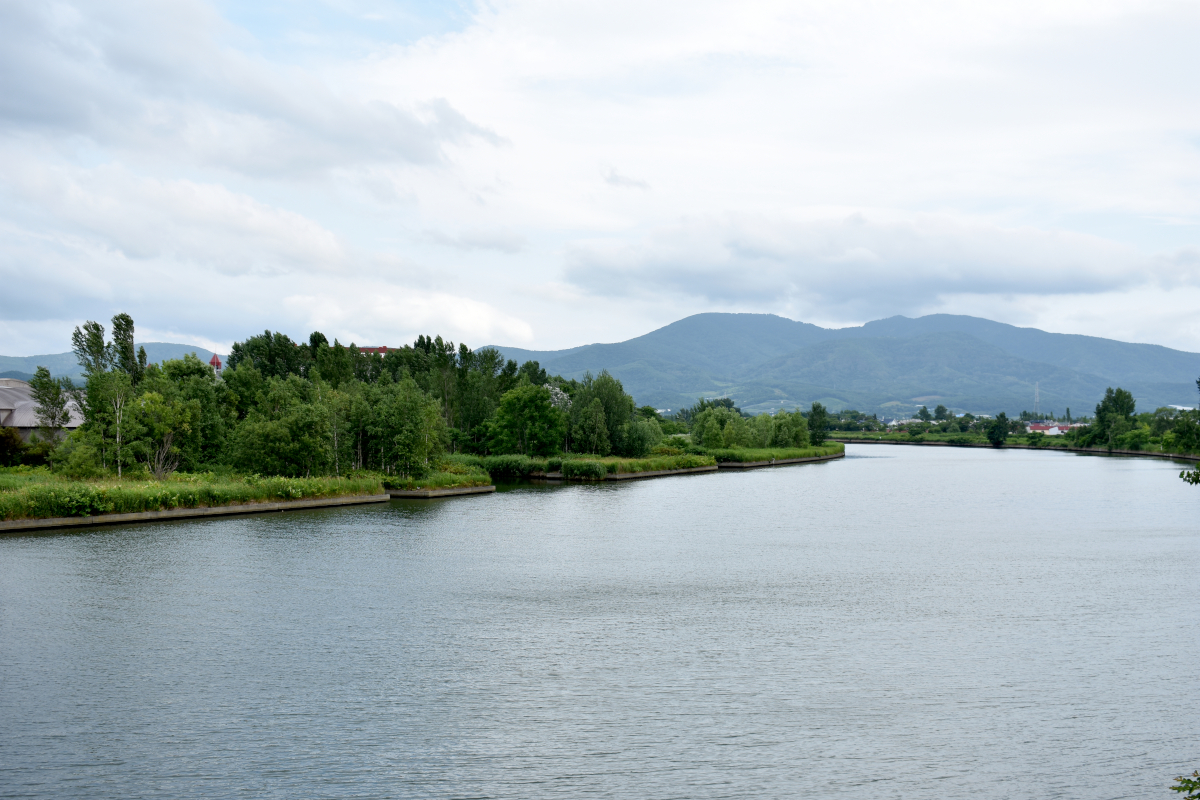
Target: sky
[{"x": 549, "y": 174}]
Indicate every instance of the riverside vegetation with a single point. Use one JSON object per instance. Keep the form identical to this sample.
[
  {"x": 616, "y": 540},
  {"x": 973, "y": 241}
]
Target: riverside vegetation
[{"x": 292, "y": 420}]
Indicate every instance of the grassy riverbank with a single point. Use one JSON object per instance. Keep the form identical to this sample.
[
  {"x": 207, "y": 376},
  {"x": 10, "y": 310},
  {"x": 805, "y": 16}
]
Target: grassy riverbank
[
  {"x": 580, "y": 465},
  {"x": 36, "y": 493},
  {"x": 750, "y": 455}
]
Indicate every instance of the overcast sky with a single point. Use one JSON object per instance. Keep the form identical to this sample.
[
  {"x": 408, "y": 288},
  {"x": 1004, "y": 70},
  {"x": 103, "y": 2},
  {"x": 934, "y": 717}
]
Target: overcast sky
[{"x": 547, "y": 174}]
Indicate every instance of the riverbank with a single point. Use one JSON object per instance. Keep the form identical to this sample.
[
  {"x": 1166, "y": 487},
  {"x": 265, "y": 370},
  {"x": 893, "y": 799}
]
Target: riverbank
[
  {"x": 1096, "y": 451},
  {"x": 38, "y": 494},
  {"x": 50, "y": 523}
]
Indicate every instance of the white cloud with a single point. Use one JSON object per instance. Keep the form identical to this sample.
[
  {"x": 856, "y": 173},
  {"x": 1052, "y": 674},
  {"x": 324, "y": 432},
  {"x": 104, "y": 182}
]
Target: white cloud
[
  {"x": 857, "y": 265},
  {"x": 563, "y": 173},
  {"x": 188, "y": 222}
]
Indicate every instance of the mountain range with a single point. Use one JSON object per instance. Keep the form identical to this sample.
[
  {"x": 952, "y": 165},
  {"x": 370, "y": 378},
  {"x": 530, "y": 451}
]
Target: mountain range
[{"x": 889, "y": 366}]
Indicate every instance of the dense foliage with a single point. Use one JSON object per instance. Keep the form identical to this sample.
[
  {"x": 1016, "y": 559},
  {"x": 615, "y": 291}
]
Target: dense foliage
[{"x": 310, "y": 409}]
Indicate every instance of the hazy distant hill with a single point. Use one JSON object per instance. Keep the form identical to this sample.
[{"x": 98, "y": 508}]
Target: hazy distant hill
[
  {"x": 61, "y": 364},
  {"x": 890, "y": 366}
]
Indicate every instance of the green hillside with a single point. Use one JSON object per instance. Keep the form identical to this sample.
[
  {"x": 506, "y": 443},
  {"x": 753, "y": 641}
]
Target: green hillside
[{"x": 889, "y": 366}]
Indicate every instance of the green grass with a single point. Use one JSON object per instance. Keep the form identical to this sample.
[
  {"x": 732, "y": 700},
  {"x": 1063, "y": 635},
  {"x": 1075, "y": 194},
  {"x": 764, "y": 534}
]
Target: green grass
[
  {"x": 516, "y": 467},
  {"x": 747, "y": 455},
  {"x": 450, "y": 474},
  {"x": 37, "y": 494},
  {"x": 615, "y": 465},
  {"x": 507, "y": 467}
]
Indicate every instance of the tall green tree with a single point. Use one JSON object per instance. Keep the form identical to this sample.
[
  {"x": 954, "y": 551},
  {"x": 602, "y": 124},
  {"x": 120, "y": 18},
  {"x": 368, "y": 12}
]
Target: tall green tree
[
  {"x": 274, "y": 355},
  {"x": 591, "y": 428},
  {"x": 91, "y": 351},
  {"x": 52, "y": 398},
  {"x": 123, "y": 355},
  {"x": 527, "y": 422},
  {"x": 818, "y": 424},
  {"x": 617, "y": 405},
  {"x": 997, "y": 430}
]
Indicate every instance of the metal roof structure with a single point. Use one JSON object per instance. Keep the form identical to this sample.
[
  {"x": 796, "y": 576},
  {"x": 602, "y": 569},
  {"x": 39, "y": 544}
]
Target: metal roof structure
[{"x": 19, "y": 410}]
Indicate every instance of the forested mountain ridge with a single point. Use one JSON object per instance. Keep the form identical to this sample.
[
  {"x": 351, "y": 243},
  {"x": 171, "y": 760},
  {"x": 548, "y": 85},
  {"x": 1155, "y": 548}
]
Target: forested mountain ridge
[{"x": 888, "y": 366}]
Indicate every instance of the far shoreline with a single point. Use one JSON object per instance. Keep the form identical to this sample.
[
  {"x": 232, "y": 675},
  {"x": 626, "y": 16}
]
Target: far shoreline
[{"x": 1093, "y": 451}]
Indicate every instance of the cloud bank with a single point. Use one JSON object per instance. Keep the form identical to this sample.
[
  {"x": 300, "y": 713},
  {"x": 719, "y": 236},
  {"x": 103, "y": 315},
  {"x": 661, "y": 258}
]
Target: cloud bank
[{"x": 546, "y": 174}]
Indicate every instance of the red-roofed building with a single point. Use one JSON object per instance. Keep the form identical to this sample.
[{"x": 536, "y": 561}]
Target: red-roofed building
[
  {"x": 382, "y": 350},
  {"x": 215, "y": 363}
]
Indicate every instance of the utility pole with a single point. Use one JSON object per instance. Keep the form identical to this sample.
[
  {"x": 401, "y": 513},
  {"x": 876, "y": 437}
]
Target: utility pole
[{"x": 1036, "y": 412}]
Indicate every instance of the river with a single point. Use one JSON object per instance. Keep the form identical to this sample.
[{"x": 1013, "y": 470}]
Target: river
[{"x": 905, "y": 623}]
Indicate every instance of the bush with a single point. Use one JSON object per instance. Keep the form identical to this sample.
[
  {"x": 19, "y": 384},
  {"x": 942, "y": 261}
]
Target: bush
[
  {"x": 584, "y": 470},
  {"x": 666, "y": 450},
  {"x": 77, "y": 459},
  {"x": 12, "y": 447}
]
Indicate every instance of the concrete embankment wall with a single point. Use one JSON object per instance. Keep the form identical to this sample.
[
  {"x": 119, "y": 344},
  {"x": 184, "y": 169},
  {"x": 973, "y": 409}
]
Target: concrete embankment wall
[
  {"x": 15, "y": 525},
  {"x": 426, "y": 494}
]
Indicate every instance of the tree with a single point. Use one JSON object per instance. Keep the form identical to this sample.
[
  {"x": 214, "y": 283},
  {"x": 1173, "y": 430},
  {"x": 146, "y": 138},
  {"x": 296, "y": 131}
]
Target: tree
[
  {"x": 997, "y": 429},
  {"x": 615, "y": 403},
  {"x": 52, "y": 398},
  {"x": 168, "y": 425},
  {"x": 118, "y": 391},
  {"x": 818, "y": 424},
  {"x": 924, "y": 414},
  {"x": 591, "y": 428},
  {"x": 640, "y": 436},
  {"x": 11, "y": 447},
  {"x": 273, "y": 354},
  {"x": 941, "y": 413},
  {"x": 1114, "y": 417},
  {"x": 123, "y": 356},
  {"x": 90, "y": 349},
  {"x": 527, "y": 422},
  {"x": 791, "y": 430},
  {"x": 1191, "y": 785}
]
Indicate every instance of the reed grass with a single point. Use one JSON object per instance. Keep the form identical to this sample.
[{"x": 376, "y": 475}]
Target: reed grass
[{"x": 748, "y": 455}]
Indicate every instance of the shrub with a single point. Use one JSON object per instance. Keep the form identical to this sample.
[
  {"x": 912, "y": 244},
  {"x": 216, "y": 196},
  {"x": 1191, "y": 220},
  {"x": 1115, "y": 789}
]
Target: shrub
[
  {"x": 584, "y": 470},
  {"x": 666, "y": 450},
  {"x": 12, "y": 447}
]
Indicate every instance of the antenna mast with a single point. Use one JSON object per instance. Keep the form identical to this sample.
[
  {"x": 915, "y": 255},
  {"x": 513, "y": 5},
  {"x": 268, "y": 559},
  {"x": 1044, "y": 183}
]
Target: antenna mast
[{"x": 1036, "y": 412}]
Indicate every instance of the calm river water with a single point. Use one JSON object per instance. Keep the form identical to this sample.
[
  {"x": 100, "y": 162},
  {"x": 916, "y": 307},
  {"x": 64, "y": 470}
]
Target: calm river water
[{"x": 905, "y": 623}]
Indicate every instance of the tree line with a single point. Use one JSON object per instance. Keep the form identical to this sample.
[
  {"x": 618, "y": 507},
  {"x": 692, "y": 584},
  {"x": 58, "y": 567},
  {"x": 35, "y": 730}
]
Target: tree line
[{"x": 282, "y": 407}]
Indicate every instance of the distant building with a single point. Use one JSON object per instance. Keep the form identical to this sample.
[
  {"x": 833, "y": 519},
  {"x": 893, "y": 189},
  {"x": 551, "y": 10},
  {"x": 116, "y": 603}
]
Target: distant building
[
  {"x": 382, "y": 350},
  {"x": 18, "y": 409},
  {"x": 215, "y": 363}
]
